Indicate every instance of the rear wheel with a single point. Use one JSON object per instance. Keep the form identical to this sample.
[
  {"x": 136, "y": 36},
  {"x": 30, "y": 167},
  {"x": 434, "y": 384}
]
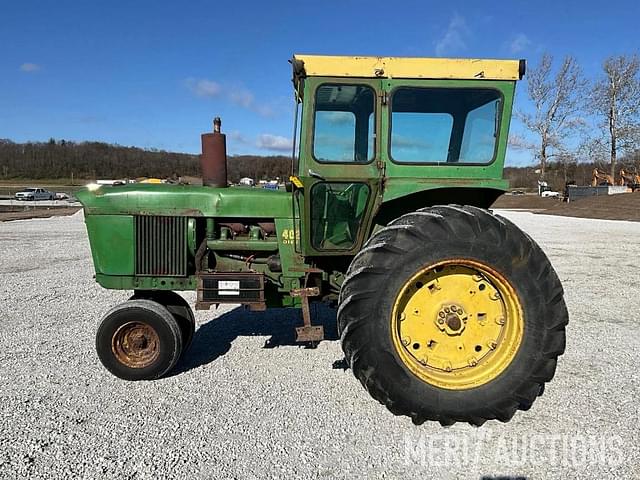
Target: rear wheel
[
  {"x": 139, "y": 340},
  {"x": 178, "y": 307},
  {"x": 452, "y": 314}
]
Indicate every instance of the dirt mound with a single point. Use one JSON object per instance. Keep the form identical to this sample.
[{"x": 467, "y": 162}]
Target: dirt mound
[
  {"x": 624, "y": 206},
  {"x": 525, "y": 202}
]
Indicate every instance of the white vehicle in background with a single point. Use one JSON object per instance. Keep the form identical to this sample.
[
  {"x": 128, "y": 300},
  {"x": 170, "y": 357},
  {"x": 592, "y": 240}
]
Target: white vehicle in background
[
  {"x": 33, "y": 193},
  {"x": 247, "y": 182},
  {"x": 545, "y": 191},
  {"x": 550, "y": 194}
]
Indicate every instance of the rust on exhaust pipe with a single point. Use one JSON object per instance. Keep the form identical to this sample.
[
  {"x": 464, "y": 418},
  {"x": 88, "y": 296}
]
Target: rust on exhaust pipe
[{"x": 213, "y": 160}]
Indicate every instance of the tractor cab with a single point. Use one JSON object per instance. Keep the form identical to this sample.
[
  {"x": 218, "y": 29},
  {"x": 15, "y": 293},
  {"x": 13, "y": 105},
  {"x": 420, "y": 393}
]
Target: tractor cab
[{"x": 379, "y": 135}]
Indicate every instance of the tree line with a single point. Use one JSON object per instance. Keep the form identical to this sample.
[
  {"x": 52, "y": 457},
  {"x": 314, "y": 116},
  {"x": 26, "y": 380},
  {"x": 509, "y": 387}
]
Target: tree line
[
  {"x": 576, "y": 119},
  {"x": 60, "y": 159},
  {"x": 94, "y": 160}
]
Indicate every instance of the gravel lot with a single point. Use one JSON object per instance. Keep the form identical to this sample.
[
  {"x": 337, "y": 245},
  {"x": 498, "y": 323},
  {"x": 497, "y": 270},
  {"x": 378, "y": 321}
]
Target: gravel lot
[{"x": 247, "y": 403}]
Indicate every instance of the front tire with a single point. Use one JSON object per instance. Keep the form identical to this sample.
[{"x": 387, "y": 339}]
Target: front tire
[
  {"x": 177, "y": 306},
  {"x": 452, "y": 314},
  {"x": 139, "y": 340}
]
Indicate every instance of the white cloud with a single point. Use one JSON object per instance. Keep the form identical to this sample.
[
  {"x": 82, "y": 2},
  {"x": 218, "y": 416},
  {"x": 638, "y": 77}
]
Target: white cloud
[
  {"x": 455, "y": 38},
  {"x": 242, "y": 97},
  {"x": 237, "y": 95},
  {"x": 339, "y": 118},
  {"x": 518, "y": 43},
  {"x": 401, "y": 141},
  {"x": 239, "y": 137},
  {"x": 274, "y": 142},
  {"x": 30, "y": 67},
  {"x": 203, "y": 87}
]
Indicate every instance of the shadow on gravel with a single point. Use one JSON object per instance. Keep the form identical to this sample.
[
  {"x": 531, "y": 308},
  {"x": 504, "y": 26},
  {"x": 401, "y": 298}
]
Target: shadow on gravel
[{"x": 214, "y": 338}]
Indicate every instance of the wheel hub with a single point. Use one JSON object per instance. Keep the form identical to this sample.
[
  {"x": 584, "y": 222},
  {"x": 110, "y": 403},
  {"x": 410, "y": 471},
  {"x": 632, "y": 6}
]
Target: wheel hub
[
  {"x": 457, "y": 324},
  {"x": 451, "y": 319},
  {"x": 135, "y": 344}
]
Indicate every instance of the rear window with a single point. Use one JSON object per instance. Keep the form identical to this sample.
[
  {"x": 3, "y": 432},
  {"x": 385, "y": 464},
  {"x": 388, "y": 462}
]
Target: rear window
[{"x": 444, "y": 125}]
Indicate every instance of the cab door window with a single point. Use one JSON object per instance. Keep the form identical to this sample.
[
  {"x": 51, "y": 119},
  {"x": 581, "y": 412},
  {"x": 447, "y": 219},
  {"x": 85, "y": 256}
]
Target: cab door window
[
  {"x": 337, "y": 213},
  {"x": 344, "y": 124}
]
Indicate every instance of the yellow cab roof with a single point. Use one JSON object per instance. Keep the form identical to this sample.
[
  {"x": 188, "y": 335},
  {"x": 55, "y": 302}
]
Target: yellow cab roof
[{"x": 405, "y": 67}]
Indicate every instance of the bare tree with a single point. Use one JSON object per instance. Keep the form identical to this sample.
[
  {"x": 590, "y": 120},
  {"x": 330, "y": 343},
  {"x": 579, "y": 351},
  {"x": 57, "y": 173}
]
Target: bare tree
[
  {"x": 557, "y": 102},
  {"x": 615, "y": 99}
]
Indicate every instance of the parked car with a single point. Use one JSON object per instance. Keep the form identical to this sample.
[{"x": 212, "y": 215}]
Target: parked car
[
  {"x": 32, "y": 193},
  {"x": 550, "y": 194}
]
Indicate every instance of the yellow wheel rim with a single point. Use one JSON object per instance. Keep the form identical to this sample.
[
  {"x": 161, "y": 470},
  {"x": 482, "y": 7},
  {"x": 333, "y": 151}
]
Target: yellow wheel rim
[{"x": 457, "y": 324}]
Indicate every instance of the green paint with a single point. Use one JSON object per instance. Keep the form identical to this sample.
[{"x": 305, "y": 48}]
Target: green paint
[
  {"x": 186, "y": 200},
  {"x": 322, "y": 229},
  {"x": 112, "y": 243}
]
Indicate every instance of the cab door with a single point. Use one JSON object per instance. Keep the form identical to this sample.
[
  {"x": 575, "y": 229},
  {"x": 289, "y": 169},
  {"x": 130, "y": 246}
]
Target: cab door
[{"x": 340, "y": 166}]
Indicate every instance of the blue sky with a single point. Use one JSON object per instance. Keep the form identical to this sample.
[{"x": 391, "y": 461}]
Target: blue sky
[{"x": 154, "y": 74}]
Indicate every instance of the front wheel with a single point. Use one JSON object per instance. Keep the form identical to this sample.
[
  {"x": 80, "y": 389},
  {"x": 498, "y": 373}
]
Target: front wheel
[
  {"x": 139, "y": 340},
  {"x": 177, "y": 306},
  {"x": 452, "y": 314}
]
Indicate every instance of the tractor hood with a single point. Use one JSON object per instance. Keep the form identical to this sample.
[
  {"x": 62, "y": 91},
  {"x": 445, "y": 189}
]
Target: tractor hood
[{"x": 184, "y": 200}]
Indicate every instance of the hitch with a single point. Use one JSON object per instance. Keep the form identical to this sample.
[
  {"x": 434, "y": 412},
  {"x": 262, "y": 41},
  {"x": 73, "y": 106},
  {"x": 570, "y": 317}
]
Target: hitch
[{"x": 308, "y": 332}]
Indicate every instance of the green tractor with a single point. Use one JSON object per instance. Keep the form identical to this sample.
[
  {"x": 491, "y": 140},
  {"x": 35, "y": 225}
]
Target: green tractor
[{"x": 446, "y": 312}]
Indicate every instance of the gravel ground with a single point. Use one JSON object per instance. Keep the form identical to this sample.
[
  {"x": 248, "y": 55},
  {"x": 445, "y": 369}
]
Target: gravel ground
[{"x": 247, "y": 403}]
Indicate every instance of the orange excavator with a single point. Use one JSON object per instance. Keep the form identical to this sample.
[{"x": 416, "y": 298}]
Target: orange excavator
[
  {"x": 631, "y": 180},
  {"x": 598, "y": 178}
]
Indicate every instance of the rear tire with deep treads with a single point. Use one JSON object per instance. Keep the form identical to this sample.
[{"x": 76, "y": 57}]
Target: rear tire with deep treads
[{"x": 391, "y": 258}]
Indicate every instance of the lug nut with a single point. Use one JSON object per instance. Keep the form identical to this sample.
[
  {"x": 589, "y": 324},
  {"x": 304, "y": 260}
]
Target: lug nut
[
  {"x": 454, "y": 308},
  {"x": 441, "y": 314}
]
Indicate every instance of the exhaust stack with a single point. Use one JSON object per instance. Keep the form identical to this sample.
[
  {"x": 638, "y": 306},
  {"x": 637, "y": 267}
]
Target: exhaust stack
[{"x": 213, "y": 160}]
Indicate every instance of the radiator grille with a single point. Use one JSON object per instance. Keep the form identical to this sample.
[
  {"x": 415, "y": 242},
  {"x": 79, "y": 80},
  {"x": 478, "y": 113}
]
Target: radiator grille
[{"x": 161, "y": 246}]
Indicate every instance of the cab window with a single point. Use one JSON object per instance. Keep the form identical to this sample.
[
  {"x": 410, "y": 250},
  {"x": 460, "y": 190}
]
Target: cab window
[
  {"x": 344, "y": 124},
  {"x": 438, "y": 125}
]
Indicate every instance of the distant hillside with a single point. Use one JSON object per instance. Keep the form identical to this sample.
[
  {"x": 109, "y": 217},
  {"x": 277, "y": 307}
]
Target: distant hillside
[{"x": 93, "y": 160}]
